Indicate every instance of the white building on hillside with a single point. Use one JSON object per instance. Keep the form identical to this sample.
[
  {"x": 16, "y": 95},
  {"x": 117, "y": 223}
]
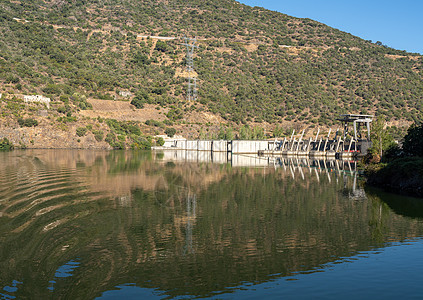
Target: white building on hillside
[{"x": 37, "y": 98}]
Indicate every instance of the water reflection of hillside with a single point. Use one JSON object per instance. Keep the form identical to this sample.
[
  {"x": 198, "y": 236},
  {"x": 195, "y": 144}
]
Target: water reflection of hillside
[
  {"x": 184, "y": 228},
  {"x": 405, "y": 206}
]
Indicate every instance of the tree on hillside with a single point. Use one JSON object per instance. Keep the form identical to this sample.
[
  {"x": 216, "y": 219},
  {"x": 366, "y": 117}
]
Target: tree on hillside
[
  {"x": 381, "y": 138},
  {"x": 413, "y": 141},
  {"x": 170, "y": 132},
  {"x": 162, "y": 46}
]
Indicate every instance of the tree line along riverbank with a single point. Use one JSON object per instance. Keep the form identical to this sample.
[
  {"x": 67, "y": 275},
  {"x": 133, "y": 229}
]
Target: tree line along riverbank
[{"x": 396, "y": 167}]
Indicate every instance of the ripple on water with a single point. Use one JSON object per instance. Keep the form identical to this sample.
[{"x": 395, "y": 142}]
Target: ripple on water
[{"x": 29, "y": 195}]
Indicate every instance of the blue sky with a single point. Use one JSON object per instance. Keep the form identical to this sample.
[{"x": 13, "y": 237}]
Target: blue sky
[{"x": 397, "y": 24}]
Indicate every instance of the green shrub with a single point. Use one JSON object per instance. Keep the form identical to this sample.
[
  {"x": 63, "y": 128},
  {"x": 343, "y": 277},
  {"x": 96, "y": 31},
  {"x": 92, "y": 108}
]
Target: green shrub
[
  {"x": 225, "y": 133},
  {"x": 28, "y": 122},
  {"x": 245, "y": 133},
  {"x": 98, "y": 135},
  {"x": 52, "y": 89},
  {"x": 64, "y": 98},
  {"x": 170, "y": 132},
  {"x": 115, "y": 142},
  {"x": 12, "y": 79},
  {"x": 154, "y": 123},
  {"x": 6, "y": 145},
  {"x": 160, "y": 141},
  {"x": 64, "y": 109},
  {"x": 81, "y": 131},
  {"x": 67, "y": 119},
  {"x": 175, "y": 114},
  {"x": 110, "y": 138},
  {"x": 141, "y": 143},
  {"x": 162, "y": 46},
  {"x": 84, "y": 105},
  {"x": 123, "y": 127},
  {"x": 138, "y": 103}
]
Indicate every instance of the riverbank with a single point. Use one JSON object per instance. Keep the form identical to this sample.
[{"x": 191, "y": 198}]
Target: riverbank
[{"x": 403, "y": 176}]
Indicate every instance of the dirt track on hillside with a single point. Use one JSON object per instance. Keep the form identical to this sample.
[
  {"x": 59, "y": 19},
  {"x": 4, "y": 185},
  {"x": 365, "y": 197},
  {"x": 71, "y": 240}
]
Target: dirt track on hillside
[{"x": 123, "y": 111}]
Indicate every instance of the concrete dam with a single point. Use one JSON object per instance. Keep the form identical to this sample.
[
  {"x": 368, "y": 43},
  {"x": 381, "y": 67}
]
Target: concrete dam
[{"x": 341, "y": 145}]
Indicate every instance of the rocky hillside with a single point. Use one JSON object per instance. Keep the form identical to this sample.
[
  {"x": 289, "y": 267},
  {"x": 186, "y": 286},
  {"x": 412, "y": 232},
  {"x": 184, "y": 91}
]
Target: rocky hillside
[{"x": 254, "y": 66}]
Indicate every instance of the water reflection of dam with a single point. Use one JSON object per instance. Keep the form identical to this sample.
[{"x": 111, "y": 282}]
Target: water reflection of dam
[
  {"x": 245, "y": 160},
  {"x": 297, "y": 167}
]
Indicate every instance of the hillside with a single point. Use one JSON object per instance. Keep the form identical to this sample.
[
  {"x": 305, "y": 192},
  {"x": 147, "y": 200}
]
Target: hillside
[{"x": 254, "y": 66}]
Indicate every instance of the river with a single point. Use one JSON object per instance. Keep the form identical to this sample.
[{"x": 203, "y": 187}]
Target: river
[{"x": 80, "y": 224}]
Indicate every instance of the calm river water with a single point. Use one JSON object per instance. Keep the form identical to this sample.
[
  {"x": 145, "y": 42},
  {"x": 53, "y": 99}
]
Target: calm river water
[{"x": 177, "y": 225}]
